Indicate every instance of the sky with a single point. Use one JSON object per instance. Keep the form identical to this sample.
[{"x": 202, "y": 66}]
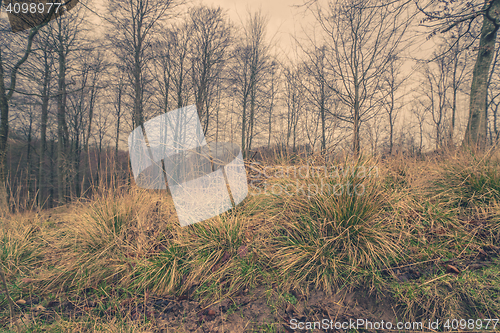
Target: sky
[
  {"x": 281, "y": 12},
  {"x": 284, "y": 17}
]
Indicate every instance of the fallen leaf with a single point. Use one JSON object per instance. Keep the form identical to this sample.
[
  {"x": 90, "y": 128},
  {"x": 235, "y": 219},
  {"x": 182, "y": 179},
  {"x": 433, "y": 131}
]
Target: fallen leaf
[
  {"x": 225, "y": 257},
  {"x": 39, "y": 308},
  {"x": 27, "y": 280},
  {"x": 21, "y": 302},
  {"x": 452, "y": 269},
  {"x": 242, "y": 251}
]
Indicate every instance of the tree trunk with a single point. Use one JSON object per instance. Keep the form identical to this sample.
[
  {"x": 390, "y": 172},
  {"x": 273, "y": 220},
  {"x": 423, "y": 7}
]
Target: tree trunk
[
  {"x": 356, "y": 120},
  {"x": 86, "y": 180},
  {"x": 4, "y": 132},
  {"x": 391, "y": 123},
  {"x": 166, "y": 82},
  {"x": 271, "y": 106},
  {"x": 28, "y": 155},
  {"x": 475, "y": 135},
  {"x": 52, "y": 173},
  {"x": 138, "y": 115},
  {"x": 78, "y": 149},
  {"x": 323, "y": 119},
  {"x": 243, "y": 128},
  {"x": 454, "y": 103},
  {"x": 252, "y": 115},
  {"x": 118, "y": 118},
  {"x": 43, "y": 133},
  {"x": 76, "y": 158},
  {"x": 4, "y": 114},
  {"x": 62, "y": 129}
]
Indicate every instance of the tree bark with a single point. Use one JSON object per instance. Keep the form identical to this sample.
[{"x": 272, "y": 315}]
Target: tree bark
[
  {"x": 271, "y": 110},
  {"x": 28, "y": 155},
  {"x": 4, "y": 132},
  {"x": 454, "y": 102},
  {"x": 62, "y": 129},
  {"x": 43, "y": 133},
  {"x": 475, "y": 134},
  {"x": 243, "y": 127},
  {"x": 356, "y": 121},
  {"x": 323, "y": 119},
  {"x": 118, "y": 118},
  {"x": 4, "y": 114}
]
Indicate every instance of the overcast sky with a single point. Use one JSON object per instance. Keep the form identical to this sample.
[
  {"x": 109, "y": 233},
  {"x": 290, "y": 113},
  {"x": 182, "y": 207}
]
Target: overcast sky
[
  {"x": 284, "y": 18},
  {"x": 280, "y": 11}
]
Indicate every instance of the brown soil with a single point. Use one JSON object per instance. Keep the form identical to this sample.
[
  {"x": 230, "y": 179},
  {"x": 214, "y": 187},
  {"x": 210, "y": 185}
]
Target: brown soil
[{"x": 247, "y": 312}]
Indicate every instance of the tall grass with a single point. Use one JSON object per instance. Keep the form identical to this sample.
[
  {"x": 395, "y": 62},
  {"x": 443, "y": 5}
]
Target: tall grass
[
  {"x": 468, "y": 179},
  {"x": 318, "y": 232},
  {"x": 334, "y": 236},
  {"x": 103, "y": 240}
]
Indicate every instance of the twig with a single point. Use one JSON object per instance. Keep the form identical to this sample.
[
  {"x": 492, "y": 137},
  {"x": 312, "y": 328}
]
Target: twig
[{"x": 437, "y": 278}]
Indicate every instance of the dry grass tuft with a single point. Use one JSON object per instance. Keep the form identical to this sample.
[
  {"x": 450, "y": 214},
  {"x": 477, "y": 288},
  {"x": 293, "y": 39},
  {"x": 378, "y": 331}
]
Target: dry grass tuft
[{"x": 360, "y": 225}]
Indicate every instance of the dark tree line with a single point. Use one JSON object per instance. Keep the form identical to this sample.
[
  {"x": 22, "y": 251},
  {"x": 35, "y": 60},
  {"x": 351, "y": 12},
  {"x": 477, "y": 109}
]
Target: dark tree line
[{"x": 71, "y": 90}]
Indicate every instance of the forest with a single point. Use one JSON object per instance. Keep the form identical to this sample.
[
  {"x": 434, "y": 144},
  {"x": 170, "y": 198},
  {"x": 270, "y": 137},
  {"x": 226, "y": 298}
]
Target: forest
[
  {"x": 399, "y": 98},
  {"x": 360, "y": 80}
]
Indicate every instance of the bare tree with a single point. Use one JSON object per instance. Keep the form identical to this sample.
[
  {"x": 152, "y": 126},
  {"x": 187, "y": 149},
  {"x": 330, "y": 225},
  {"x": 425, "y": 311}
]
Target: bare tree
[
  {"x": 135, "y": 23},
  {"x": 6, "y": 93},
  {"x": 34, "y": 83},
  {"x": 436, "y": 91},
  {"x": 251, "y": 61},
  {"x": 118, "y": 106},
  {"x": 318, "y": 92},
  {"x": 392, "y": 82},
  {"x": 173, "y": 65},
  {"x": 66, "y": 36},
  {"x": 209, "y": 45},
  {"x": 443, "y": 17},
  {"x": 273, "y": 91},
  {"x": 47, "y": 61},
  {"x": 96, "y": 66},
  {"x": 362, "y": 37},
  {"x": 457, "y": 59},
  {"x": 293, "y": 102}
]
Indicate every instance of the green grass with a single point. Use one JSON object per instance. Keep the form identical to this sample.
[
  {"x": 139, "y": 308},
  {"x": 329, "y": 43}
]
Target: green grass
[
  {"x": 469, "y": 180},
  {"x": 446, "y": 296},
  {"x": 127, "y": 245},
  {"x": 333, "y": 238}
]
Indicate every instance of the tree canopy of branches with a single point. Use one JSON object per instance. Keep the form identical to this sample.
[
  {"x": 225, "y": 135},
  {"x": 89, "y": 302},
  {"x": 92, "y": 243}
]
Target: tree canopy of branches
[
  {"x": 361, "y": 38},
  {"x": 444, "y": 16}
]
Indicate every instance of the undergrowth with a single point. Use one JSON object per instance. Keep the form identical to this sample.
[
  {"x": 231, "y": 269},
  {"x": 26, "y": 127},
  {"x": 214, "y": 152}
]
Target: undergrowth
[{"x": 348, "y": 229}]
